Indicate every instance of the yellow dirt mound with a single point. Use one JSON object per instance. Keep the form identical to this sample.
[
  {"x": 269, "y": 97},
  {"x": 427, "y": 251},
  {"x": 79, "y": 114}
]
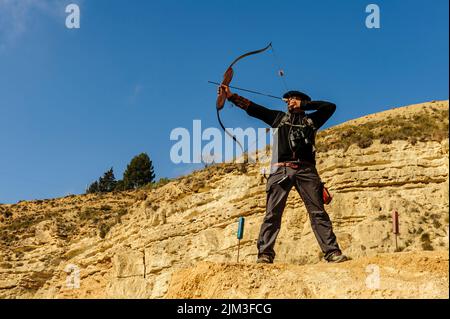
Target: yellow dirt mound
[{"x": 399, "y": 275}]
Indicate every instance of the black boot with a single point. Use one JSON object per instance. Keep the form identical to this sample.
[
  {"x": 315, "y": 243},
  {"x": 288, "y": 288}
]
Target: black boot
[
  {"x": 336, "y": 257},
  {"x": 264, "y": 259}
]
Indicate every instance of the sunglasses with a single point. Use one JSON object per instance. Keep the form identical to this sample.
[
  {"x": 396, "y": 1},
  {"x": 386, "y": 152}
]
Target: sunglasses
[{"x": 291, "y": 98}]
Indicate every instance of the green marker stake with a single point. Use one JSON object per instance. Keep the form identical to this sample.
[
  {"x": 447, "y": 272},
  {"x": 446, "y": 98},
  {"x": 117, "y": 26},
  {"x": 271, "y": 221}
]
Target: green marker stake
[{"x": 240, "y": 234}]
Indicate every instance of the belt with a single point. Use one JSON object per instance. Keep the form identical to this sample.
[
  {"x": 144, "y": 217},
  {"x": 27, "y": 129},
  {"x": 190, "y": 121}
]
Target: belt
[
  {"x": 293, "y": 165},
  {"x": 287, "y": 164}
]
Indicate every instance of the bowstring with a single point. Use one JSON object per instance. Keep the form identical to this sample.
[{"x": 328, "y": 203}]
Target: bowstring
[
  {"x": 280, "y": 74},
  {"x": 278, "y": 66}
]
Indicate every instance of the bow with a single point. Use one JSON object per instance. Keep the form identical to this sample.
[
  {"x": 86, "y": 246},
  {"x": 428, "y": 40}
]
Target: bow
[{"x": 227, "y": 77}]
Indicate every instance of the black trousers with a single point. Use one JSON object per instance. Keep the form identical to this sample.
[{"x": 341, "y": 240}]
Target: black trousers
[{"x": 308, "y": 184}]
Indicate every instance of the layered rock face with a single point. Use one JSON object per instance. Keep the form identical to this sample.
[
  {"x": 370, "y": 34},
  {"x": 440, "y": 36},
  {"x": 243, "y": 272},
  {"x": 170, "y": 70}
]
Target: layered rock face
[{"x": 55, "y": 249}]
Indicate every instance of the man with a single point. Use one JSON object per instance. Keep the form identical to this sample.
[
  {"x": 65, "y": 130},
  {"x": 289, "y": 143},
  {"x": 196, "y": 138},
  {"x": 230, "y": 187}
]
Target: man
[{"x": 293, "y": 164}]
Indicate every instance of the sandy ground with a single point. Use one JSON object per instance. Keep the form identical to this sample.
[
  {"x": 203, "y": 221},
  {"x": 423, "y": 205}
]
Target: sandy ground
[{"x": 396, "y": 275}]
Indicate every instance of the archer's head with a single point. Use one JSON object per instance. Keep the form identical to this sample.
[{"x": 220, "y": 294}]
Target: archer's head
[{"x": 294, "y": 100}]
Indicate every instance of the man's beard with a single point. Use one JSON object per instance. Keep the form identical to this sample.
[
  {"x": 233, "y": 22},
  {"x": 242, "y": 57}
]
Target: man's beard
[{"x": 293, "y": 109}]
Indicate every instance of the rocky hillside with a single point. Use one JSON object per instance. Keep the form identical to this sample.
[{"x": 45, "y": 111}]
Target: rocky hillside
[{"x": 139, "y": 243}]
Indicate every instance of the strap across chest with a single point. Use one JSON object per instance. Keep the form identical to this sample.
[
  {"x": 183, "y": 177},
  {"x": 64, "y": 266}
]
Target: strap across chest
[{"x": 303, "y": 122}]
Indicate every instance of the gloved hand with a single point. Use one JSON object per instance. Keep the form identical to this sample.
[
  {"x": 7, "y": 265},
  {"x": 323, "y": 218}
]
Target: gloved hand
[{"x": 226, "y": 89}]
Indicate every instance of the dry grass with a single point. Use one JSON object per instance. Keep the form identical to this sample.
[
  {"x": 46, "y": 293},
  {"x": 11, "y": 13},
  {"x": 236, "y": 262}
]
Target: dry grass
[
  {"x": 72, "y": 216},
  {"x": 430, "y": 124}
]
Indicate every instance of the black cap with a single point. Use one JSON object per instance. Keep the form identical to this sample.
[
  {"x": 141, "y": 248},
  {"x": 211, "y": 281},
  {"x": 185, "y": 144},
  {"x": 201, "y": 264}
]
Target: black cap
[{"x": 298, "y": 94}]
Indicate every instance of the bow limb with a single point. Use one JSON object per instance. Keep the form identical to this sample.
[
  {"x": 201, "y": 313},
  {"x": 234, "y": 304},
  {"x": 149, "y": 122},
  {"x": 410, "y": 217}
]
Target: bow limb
[
  {"x": 227, "y": 77},
  {"x": 250, "y": 53},
  {"x": 227, "y": 132}
]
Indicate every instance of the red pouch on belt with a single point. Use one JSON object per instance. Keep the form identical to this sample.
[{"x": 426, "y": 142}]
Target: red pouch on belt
[{"x": 326, "y": 195}]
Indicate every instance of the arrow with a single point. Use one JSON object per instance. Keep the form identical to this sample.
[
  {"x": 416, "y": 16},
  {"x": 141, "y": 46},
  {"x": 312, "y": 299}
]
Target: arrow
[{"x": 250, "y": 91}]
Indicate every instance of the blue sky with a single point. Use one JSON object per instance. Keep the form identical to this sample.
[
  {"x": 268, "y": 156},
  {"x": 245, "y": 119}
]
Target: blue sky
[{"x": 75, "y": 102}]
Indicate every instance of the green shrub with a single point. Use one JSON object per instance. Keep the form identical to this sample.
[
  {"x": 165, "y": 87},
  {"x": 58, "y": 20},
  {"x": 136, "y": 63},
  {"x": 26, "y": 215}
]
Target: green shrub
[
  {"x": 6, "y": 213},
  {"x": 426, "y": 242},
  {"x": 436, "y": 220},
  {"x": 386, "y": 140},
  {"x": 382, "y": 217},
  {"x": 105, "y": 208},
  {"x": 364, "y": 142},
  {"x": 105, "y": 217},
  {"x": 104, "y": 229},
  {"x": 88, "y": 214}
]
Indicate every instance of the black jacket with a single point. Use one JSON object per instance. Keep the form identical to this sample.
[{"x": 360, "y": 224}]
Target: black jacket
[{"x": 294, "y": 137}]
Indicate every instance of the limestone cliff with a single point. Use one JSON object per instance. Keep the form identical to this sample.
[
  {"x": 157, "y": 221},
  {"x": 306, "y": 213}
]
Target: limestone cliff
[{"x": 136, "y": 244}]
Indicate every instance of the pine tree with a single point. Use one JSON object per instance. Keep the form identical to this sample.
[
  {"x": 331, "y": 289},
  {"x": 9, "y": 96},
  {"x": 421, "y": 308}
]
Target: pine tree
[
  {"x": 108, "y": 182},
  {"x": 120, "y": 186},
  {"x": 93, "y": 188},
  {"x": 139, "y": 172}
]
